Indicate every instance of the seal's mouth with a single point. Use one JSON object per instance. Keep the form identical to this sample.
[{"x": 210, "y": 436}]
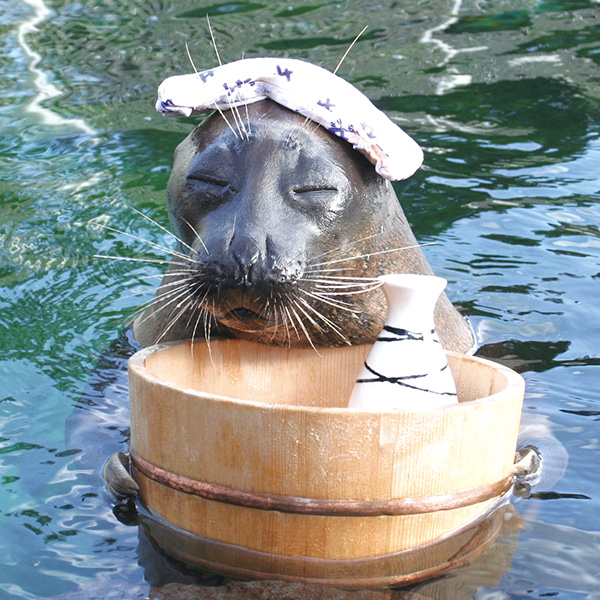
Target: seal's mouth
[
  {"x": 243, "y": 314},
  {"x": 244, "y": 319}
]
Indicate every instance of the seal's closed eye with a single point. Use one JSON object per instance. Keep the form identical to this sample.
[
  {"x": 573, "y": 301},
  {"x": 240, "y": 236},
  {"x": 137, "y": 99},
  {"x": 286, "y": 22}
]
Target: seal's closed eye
[
  {"x": 323, "y": 201},
  {"x": 315, "y": 189},
  {"x": 208, "y": 187},
  {"x": 207, "y": 179}
]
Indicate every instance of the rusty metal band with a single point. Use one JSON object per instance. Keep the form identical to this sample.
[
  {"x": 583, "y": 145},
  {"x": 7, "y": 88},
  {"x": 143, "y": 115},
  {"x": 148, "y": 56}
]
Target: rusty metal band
[{"x": 320, "y": 506}]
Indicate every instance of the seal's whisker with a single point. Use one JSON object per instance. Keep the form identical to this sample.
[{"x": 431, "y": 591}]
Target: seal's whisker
[
  {"x": 335, "y": 270},
  {"x": 185, "y": 273},
  {"x": 237, "y": 119},
  {"x": 333, "y": 301},
  {"x": 198, "y": 317},
  {"x": 212, "y": 37},
  {"x": 186, "y": 303},
  {"x": 232, "y": 107},
  {"x": 298, "y": 304},
  {"x": 371, "y": 254},
  {"x": 273, "y": 316},
  {"x": 196, "y": 288},
  {"x": 170, "y": 323},
  {"x": 248, "y": 121},
  {"x": 198, "y": 74},
  {"x": 225, "y": 119},
  {"x": 266, "y": 309},
  {"x": 286, "y": 325},
  {"x": 140, "y": 239},
  {"x": 328, "y": 288},
  {"x": 201, "y": 315},
  {"x": 331, "y": 282},
  {"x": 349, "y": 48},
  {"x": 189, "y": 55},
  {"x": 179, "y": 293},
  {"x": 186, "y": 268},
  {"x": 284, "y": 322},
  {"x": 174, "y": 295},
  {"x": 249, "y": 130},
  {"x": 175, "y": 237},
  {"x": 182, "y": 284},
  {"x": 336, "y": 304},
  {"x": 327, "y": 295},
  {"x": 349, "y": 292},
  {"x": 169, "y": 326},
  {"x": 208, "y": 322},
  {"x": 349, "y": 284},
  {"x": 339, "y": 249},
  {"x": 322, "y": 275},
  {"x": 146, "y": 290},
  {"x": 145, "y": 305},
  {"x": 337, "y": 283},
  {"x": 205, "y": 325},
  {"x": 319, "y": 315},
  {"x": 201, "y": 311},
  {"x": 148, "y": 242},
  {"x": 139, "y": 307},
  {"x": 153, "y": 261},
  {"x": 128, "y": 297},
  {"x": 291, "y": 322},
  {"x": 198, "y": 236},
  {"x": 214, "y": 43},
  {"x": 302, "y": 326},
  {"x": 281, "y": 318},
  {"x": 241, "y": 122},
  {"x": 307, "y": 119},
  {"x": 362, "y": 240},
  {"x": 182, "y": 272},
  {"x": 343, "y": 58},
  {"x": 324, "y": 272}
]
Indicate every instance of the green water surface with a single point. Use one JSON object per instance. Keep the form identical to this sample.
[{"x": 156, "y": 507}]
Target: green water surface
[{"x": 503, "y": 96}]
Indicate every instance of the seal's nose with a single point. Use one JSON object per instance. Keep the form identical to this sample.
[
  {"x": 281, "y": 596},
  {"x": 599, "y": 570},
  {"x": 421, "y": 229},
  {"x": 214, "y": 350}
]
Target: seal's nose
[{"x": 249, "y": 257}]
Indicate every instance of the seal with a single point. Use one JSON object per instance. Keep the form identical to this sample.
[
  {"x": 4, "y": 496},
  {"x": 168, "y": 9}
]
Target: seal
[{"x": 281, "y": 234}]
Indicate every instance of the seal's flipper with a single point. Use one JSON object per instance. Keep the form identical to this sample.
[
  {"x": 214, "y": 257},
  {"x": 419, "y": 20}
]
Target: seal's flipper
[{"x": 119, "y": 481}]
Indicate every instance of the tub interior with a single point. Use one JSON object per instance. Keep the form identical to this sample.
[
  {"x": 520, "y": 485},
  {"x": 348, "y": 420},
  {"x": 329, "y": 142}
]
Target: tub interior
[{"x": 301, "y": 377}]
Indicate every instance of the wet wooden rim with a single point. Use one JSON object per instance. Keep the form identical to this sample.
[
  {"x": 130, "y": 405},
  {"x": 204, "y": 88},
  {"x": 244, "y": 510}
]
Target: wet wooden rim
[{"x": 321, "y": 507}]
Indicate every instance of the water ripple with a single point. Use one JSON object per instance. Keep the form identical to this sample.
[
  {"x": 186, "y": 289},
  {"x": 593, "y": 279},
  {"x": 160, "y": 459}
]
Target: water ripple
[{"x": 509, "y": 192}]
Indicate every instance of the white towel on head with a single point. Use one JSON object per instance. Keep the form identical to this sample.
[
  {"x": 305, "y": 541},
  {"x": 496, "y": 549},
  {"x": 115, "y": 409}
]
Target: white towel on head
[{"x": 306, "y": 89}]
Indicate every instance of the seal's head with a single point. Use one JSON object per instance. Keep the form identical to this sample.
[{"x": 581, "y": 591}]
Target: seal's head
[{"x": 282, "y": 231}]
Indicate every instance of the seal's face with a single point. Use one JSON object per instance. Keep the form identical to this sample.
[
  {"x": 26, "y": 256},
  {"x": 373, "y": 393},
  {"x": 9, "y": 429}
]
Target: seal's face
[
  {"x": 270, "y": 224},
  {"x": 282, "y": 233}
]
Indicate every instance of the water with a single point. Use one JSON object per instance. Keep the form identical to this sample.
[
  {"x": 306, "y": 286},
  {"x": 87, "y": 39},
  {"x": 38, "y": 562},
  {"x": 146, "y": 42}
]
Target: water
[{"x": 504, "y": 98}]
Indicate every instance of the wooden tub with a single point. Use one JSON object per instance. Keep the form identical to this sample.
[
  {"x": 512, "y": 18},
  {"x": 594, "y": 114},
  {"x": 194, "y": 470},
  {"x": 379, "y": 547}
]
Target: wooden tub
[{"x": 247, "y": 458}]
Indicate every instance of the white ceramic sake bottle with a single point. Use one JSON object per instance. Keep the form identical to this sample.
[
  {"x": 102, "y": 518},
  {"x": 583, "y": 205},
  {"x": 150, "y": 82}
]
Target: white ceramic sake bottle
[{"x": 407, "y": 366}]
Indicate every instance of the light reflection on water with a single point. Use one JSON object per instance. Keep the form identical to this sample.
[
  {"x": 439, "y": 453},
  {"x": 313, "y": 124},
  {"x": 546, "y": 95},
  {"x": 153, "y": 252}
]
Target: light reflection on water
[{"x": 505, "y": 102}]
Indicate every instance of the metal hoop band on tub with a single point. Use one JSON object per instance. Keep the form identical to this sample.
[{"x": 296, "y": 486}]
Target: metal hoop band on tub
[{"x": 321, "y": 506}]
